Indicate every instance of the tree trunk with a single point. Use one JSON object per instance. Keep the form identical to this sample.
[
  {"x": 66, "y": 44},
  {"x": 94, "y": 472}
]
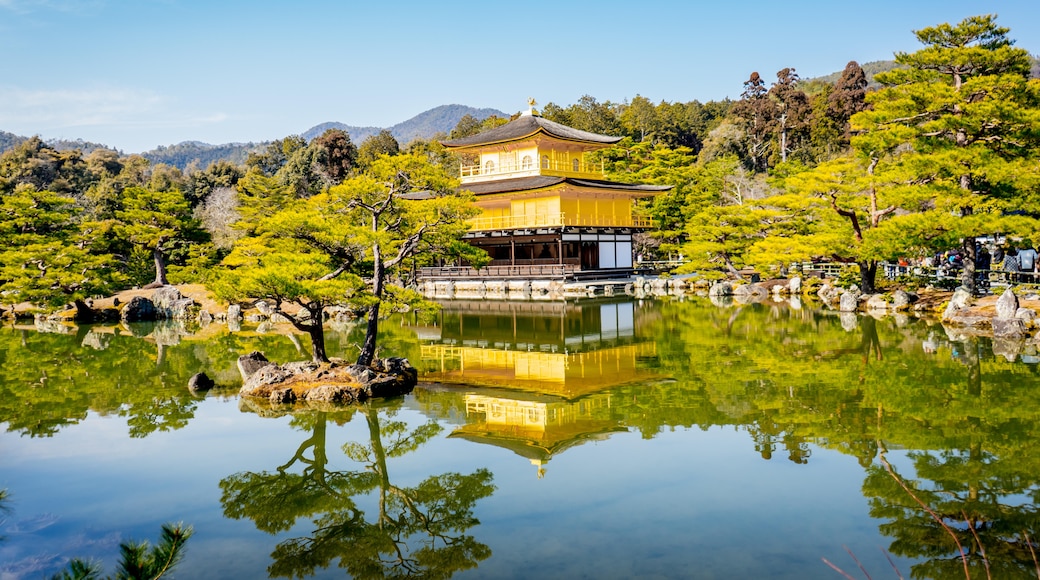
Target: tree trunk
[
  {"x": 315, "y": 328},
  {"x": 317, "y": 334},
  {"x": 368, "y": 348},
  {"x": 160, "y": 266},
  {"x": 867, "y": 275}
]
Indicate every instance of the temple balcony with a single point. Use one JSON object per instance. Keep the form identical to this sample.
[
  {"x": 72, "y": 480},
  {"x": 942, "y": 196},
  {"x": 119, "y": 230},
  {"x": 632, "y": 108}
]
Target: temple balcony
[
  {"x": 551, "y": 220},
  {"x": 491, "y": 171}
]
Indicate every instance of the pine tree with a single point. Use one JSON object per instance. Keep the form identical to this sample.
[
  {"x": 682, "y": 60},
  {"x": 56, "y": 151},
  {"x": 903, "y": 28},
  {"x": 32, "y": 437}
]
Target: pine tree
[{"x": 964, "y": 119}]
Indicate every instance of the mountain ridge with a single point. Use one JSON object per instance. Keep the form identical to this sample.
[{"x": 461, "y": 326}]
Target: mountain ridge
[{"x": 425, "y": 125}]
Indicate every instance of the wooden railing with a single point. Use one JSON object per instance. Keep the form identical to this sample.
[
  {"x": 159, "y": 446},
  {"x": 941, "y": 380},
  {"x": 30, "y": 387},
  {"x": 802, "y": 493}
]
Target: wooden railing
[
  {"x": 548, "y": 220},
  {"x": 470, "y": 173}
]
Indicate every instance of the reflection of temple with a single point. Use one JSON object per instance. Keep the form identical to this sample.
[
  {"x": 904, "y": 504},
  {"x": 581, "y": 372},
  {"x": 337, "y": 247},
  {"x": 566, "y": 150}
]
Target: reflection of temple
[
  {"x": 533, "y": 427},
  {"x": 540, "y": 371},
  {"x": 556, "y": 348}
]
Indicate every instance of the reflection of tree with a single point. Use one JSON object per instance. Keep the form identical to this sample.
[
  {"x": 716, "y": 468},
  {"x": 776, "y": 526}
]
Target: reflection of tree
[
  {"x": 976, "y": 471},
  {"x": 418, "y": 531},
  {"x": 974, "y": 500},
  {"x": 52, "y": 380}
]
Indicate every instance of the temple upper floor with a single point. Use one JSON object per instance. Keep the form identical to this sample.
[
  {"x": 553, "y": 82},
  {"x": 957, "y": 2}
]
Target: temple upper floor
[{"x": 527, "y": 146}]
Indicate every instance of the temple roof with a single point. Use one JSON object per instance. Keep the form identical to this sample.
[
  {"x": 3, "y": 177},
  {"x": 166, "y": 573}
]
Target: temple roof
[
  {"x": 526, "y": 126},
  {"x": 540, "y": 181}
]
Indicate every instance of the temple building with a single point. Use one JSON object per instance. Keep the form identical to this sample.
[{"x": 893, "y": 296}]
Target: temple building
[{"x": 546, "y": 211}]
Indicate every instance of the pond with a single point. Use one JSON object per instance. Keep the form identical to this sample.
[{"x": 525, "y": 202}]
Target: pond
[{"x": 597, "y": 439}]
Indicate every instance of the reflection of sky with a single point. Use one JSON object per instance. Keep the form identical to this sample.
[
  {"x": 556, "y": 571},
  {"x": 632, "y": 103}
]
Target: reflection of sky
[{"x": 687, "y": 502}]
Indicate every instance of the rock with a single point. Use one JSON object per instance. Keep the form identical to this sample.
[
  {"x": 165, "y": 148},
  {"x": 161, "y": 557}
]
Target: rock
[
  {"x": 795, "y": 285},
  {"x": 264, "y": 308},
  {"x": 961, "y": 299},
  {"x": 721, "y": 289},
  {"x": 164, "y": 296},
  {"x": 901, "y": 300},
  {"x": 1007, "y": 304},
  {"x": 115, "y": 301},
  {"x": 1026, "y": 315},
  {"x": 282, "y": 396},
  {"x": 205, "y": 317},
  {"x": 1008, "y": 328},
  {"x": 966, "y": 319},
  {"x": 250, "y": 363},
  {"x": 336, "y": 382},
  {"x": 829, "y": 294},
  {"x": 234, "y": 312},
  {"x": 877, "y": 302},
  {"x": 139, "y": 309},
  {"x": 200, "y": 382},
  {"x": 849, "y": 301},
  {"x": 748, "y": 293}
]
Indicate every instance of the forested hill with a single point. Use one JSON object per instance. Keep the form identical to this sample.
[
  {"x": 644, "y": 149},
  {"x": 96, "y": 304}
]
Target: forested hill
[
  {"x": 869, "y": 69},
  {"x": 879, "y": 66},
  {"x": 425, "y": 125},
  {"x": 201, "y": 155}
]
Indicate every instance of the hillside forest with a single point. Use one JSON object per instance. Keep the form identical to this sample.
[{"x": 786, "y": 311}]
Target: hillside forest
[{"x": 931, "y": 154}]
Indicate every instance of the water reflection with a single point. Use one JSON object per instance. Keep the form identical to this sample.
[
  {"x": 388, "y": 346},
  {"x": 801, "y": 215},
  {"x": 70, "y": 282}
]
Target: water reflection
[
  {"x": 557, "y": 348},
  {"x": 956, "y": 414},
  {"x": 415, "y": 532}
]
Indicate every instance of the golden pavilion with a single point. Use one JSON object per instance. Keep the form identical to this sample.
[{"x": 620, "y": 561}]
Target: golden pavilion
[{"x": 546, "y": 210}]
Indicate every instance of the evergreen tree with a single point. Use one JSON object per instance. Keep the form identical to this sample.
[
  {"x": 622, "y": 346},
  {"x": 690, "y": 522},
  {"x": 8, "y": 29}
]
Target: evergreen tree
[
  {"x": 848, "y": 97},
  {"x": 348, "y": 245},
  {"x": 758, "y": 114},
  {"x": 46, "y": 258},
  {"x": 138, "y": 560},
  {"x": 964, "y": 118},
  {"x": 157, "y": 222},
  {"x": 792, "y": 112}
]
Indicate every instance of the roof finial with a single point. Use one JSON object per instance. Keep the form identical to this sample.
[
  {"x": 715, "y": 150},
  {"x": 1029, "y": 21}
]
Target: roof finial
[{"x": 530, "y": 106}]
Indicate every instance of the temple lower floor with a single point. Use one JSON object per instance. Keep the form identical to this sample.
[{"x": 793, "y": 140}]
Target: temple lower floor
[{"x": 561, "y": 253}]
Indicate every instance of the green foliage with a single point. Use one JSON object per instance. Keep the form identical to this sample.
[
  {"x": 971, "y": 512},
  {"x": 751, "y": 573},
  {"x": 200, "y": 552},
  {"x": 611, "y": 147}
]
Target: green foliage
[
  {"x": 376, "y": 146},
  {"x": 961, "y": 122},
  {"x": 157, "y": 222},
  {"x": 46, "y": 259},
  {"x": 194, "y": 154},
  {"x": 342, "y": 246},
  {"x": 37, "y": 165},
  {"x": 137, "y": 561}
]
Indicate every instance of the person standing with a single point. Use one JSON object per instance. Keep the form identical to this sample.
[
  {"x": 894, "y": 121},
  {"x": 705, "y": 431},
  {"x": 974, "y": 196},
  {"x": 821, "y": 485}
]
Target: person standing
[
  {"x": 1011, "y": 264},
  {"x": 1027, "y": 258}
]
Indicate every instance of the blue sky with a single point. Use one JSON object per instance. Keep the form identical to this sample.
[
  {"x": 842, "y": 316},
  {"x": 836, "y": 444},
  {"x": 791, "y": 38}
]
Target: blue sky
[{"x": 135, "y": 74}]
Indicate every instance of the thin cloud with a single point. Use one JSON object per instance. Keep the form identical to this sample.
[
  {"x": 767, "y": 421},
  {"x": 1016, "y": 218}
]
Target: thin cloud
[
  {"x": 72, "y": 108},
  {"x": 49, "y": 110},
  {"x": 29, "y": 6}
]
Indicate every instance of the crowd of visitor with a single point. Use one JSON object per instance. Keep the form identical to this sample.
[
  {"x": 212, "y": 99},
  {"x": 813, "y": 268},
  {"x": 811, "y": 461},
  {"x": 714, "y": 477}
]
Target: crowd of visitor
[{"x": 1013, "y": 263}]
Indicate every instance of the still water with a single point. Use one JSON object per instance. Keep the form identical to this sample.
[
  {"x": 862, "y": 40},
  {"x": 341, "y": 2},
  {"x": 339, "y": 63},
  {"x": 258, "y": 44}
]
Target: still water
[{"x": 652, "y": 439}]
